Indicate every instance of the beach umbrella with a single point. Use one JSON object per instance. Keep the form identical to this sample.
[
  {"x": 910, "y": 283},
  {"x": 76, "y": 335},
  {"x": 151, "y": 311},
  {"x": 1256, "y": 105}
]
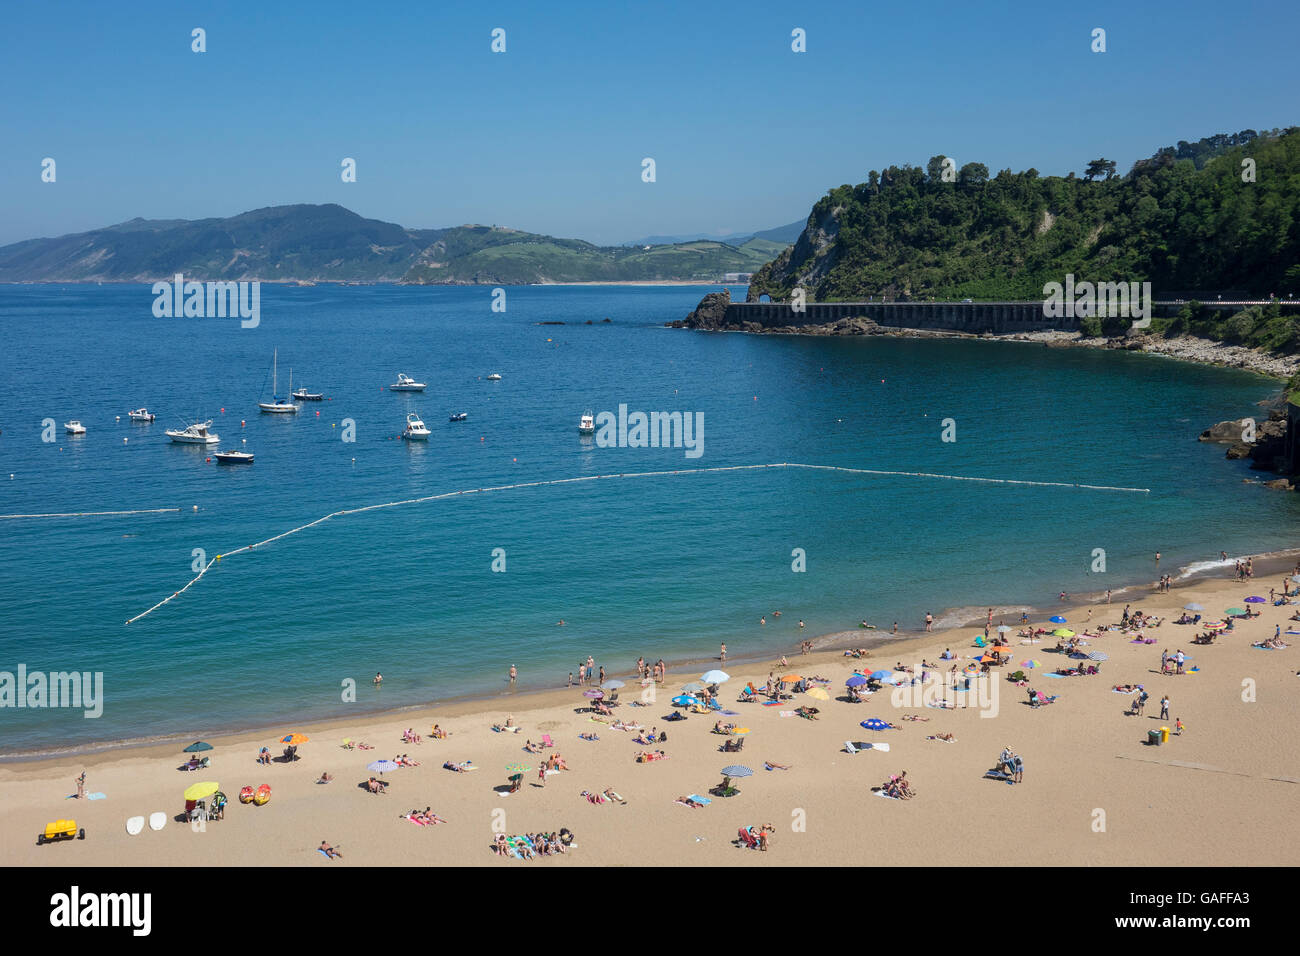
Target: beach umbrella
[
  {"x": 382, "y": 766},
  {"x": 1193, "y": 607},
  {"x": 197, "y": 791},
  {"x": 894, "y": 678},
  {"x": 294, "y": 740},
  {"x": 1031, "y": 664},
  {"x": 1214, "y": 626},
  {"x": 1255, "y": 599},
  {"x": 791, "y": 679},
  {"x": 715, "y": 677},
  {"x": 818, "y": 694},
  {"x": 593, "y": 694},
  {"x": 987, "y": 659},
  {"x": 517, "y": 768},
  {"x": 1098, "y": 656},
  {"x": 197, "y": 746},
  {"x": 692, "y": 687},
  {"x": 1056, "y": 619},
  {"x": 737, "y": 771},
  {"x": 881, "y": 675},
  {"x": 857, "y": 680},
  {"x": 1063, "y": 632},
  {"x": 685, "y": 700},
  {"x": 612, "y": 684},
  {"x": 1295, "y": 578},
  {"x": 1003, "y": 628},
  {"x": 875, "y": 723}
]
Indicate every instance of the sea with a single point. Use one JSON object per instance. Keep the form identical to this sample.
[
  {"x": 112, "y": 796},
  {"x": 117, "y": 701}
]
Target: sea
[{"x": 667, "y": 556}]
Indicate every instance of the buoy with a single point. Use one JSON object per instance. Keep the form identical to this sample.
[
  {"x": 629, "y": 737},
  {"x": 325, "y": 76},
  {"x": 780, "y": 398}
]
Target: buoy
[
  {"x": 480, "y": 438},
  {"x": 125, "y": 440},
  {"x": 196, "y": 507},
  {"x": 318, "y": 414},
  {"x": 223, "y": 411},
  {"x": 207, "y": 459},
  {"x": 244, "y": 440},
  {"x": 117, "y": 418}
]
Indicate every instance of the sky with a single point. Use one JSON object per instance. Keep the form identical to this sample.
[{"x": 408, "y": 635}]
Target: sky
[{"x": 549, "y": 136}]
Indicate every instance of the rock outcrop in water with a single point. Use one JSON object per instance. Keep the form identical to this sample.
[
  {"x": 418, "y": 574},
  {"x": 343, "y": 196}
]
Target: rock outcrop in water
[{"x": 1268, "y": 452}]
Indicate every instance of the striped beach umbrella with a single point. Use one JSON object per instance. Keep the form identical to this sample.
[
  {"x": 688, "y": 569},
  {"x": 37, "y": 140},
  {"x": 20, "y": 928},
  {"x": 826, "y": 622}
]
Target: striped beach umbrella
[
  {"x": 737, "y": 771},
  {"x": 382, "y": 766},
  {"x": 1098, "y": 656},
  {"x": 1214, "y": 626},
  {"x": 1031, "y": 664},
  {"x": 514, "y": 768},
  {"x": 593, "y": 694}
]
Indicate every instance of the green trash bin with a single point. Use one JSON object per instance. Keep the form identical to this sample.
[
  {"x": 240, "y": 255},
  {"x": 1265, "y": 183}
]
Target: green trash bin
[{"x": 1154, "y": 738}]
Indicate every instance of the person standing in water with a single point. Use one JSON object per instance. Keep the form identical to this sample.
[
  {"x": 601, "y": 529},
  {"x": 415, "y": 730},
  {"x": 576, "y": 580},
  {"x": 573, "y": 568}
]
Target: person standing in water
[
  {"x": 513, "y": 673},
  {"x": 722, "y": 656}
]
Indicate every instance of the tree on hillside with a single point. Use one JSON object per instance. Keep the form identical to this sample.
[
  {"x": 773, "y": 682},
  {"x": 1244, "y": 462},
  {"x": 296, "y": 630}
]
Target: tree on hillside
[
  {"x": 973, "y": 174},
  {"x": 1099, "y": 167}
]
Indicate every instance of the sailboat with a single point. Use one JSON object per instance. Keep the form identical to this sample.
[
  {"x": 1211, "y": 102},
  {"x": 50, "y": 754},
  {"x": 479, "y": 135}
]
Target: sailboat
[{"x": 276, "y": 404}]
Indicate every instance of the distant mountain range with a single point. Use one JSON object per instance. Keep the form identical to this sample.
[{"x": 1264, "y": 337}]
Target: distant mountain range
[
  {"x": 328, "y": 243},
  {"x": 785, "y": 235}
]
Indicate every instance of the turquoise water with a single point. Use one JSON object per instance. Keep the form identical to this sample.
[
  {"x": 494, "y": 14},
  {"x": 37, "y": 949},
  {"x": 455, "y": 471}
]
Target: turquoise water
[{"x": 662, "y": 566}]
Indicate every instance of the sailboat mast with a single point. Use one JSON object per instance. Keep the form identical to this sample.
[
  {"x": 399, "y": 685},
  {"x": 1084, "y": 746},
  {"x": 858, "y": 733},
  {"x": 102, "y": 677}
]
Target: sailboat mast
[{"x": 275, "y": 383}]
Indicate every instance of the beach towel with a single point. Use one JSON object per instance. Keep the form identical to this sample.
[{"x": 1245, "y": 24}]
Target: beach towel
[
  {"x": 771, "y": 703},
  {"x": 418, "y": 823},
  {"x": 324, "y": 854},
  {"x": 1056, "y": 676},
  {"x": 881, "y": 793},
  {"x": 787, "y": 713},
  {"x": 698, "y": 799}
]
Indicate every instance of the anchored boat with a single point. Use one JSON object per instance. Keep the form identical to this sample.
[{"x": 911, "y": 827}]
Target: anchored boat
[
  {"x": 141, "y": 415},
  {"x": 587, "y": 424},
  {"x": 277, "y": 405},
  {"x": 405, "y": 383},
  {"x": 74, "y": 427},
  {"x": 196, "y": 434},
  {"x": 234, "y": 457},
  {"x": 415, "y": 430}
]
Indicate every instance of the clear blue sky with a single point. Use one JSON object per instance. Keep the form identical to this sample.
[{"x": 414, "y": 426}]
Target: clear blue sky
[{"x": 549, "y": 136}]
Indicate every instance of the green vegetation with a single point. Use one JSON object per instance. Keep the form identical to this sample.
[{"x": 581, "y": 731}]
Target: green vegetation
[
  {"x": 330, "y": 243},
  {"x": 1184, "y": 220}
]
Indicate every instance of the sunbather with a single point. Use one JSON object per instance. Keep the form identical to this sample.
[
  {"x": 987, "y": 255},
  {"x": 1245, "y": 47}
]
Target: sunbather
[
  {"x": 690, "y": 802},
  {"x": 329, "y": 851}
]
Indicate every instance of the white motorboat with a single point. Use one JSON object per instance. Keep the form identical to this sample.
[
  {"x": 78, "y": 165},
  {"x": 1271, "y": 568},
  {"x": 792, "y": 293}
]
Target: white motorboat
[
  {"x": 277, "y": 405},
  {"x": 302, "y": 395},
  {"x": 405, "y": 383},
  {"x": 196, "y": 434},
  {"x": 458, "y": 417},
  {"x": 587, "y": 424},
  {"x": 141, "y": 415},
  {"x": 234, "y": 457},
  {"x": 74, "y": 427},
  {"x": 415, "y": 430},
  {"x": 494, "y": 377}
]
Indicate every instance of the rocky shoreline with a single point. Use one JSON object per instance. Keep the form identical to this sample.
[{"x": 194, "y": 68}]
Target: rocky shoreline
[{"x": 1267, "y": 448}]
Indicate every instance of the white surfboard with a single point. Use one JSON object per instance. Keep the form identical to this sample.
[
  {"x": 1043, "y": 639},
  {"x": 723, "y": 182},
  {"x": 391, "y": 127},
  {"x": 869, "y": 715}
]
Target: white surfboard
[
  {"x": 157, "y": 820},
  {"x": 134, "y": 825}
]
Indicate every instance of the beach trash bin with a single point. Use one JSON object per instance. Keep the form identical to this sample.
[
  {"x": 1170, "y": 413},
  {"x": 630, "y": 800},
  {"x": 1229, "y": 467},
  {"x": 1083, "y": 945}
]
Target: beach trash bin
[
  {"x": 1154, "y": 738},
  {"x": 1164, "y": 735}
]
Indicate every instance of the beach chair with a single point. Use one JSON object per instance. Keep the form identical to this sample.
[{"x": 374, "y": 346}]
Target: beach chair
[{"x": 546, "y": 741}]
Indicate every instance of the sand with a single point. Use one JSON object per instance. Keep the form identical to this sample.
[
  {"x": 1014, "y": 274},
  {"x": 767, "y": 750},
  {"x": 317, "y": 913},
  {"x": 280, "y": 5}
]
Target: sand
[{"x": 1226, "y": 791}]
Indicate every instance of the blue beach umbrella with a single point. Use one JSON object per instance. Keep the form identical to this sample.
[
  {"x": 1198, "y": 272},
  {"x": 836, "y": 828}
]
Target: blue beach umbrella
[
  {"x": 1056, "y": 619},
  {"x": 857, "y": 680},
  {"x": 1255, "y": 599},
  {"x": 685, "y": 700},
  {"x": 737, "y": 771},
  {"x": 881, "y": 675},
  {"x": 875, "y": 723}
]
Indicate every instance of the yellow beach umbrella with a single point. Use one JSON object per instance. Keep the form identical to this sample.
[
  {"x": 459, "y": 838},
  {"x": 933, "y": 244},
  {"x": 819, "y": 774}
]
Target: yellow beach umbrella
[
  {"x": 1063, "y": 632},
  {"x": 197, "y": 791},
  {"x": 819, "y": 693}
]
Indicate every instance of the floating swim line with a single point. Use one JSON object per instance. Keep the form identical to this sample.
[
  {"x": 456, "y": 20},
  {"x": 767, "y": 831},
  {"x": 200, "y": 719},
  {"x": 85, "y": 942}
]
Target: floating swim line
[
  {"x": 93, "y": 514},
  {"x": 638, "y": 474}
]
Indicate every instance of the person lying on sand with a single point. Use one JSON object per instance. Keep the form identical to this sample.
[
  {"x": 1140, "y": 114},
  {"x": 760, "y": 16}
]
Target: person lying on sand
[
  {"x": 532, "y": 748},
  {"x": 613, "y": 795},
  {"x": 458, "y": 767},
  {"x": 594, "y": 797},
  {"x": 647, "y": 756},
  {"x": 721, "y": 728},
  {"x": 690, "y": 802},
  {"x": 329, "y": 851},
  {"x": 949, "y": 738},
  {"x": 361, "y": 746},
  {"x": 809, "y": 712},
  {"x": 914, "y": 717},
  {"x": 588, "y": 737},
  {"x": 770, "y": 765}
]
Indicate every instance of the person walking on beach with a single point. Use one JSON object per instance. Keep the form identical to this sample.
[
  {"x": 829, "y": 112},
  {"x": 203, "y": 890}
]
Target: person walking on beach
[
  {"x": 1178, "y": 726},
  {"x": 1108, "y": 595},
  {"x": 929, "y": 621},
  {"x": 602, "y": 674},
  {"x": 1164, "y": 707},
  {"x": 81, "y": 785},
  {"x": 1179, "y": 657},
  {"x": 513, "y": 673}
]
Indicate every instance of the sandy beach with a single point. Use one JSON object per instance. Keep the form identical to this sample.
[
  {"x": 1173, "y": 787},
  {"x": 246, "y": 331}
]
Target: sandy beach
[{"x": 1094, "y": 792}]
